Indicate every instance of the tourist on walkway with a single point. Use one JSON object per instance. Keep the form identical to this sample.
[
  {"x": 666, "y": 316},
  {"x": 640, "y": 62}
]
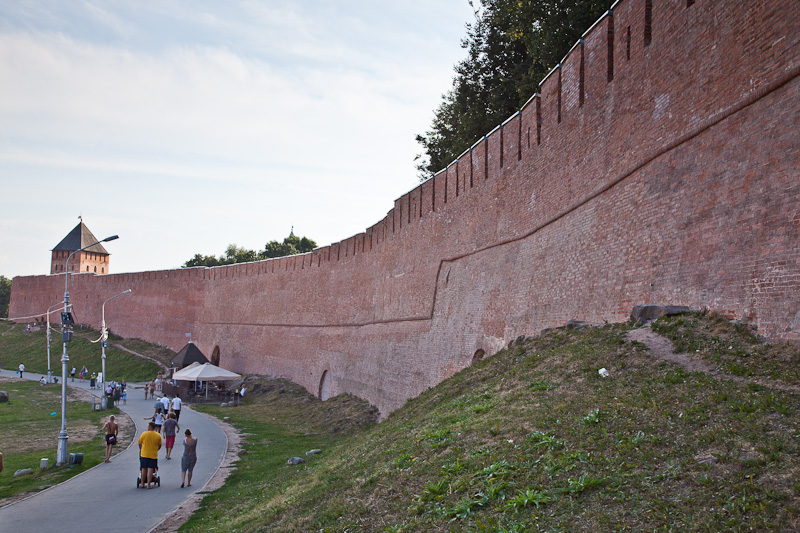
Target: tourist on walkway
[
  {"x": 112, "y": 432},
  {"x": 72, "y": 373},
  {"x": 189, "y": 458},
  {"x": 170, "y": 427},
  {"x": 176, "y": 406},
  {"x": 157, "y": 420},
  {"x": 149, "y": 444},
  {"x": 21, "y": 370}
]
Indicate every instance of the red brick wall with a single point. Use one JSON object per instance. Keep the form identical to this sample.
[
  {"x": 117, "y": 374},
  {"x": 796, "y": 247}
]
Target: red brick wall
[{"x": 670, "y": 176}]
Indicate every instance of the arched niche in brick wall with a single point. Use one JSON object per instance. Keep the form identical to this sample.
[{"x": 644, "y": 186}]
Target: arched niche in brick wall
[
  {"x": 215, "y": 356},
  {"x": 480, "y": 354},
  {"x": 325, "y": 386}
]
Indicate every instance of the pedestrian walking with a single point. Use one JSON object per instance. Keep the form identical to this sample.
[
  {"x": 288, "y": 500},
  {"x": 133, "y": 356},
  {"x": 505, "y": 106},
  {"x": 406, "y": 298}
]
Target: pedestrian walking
[
  {"x": 112, "y": 432},
  {"x": 149, "y": 444},
  {"x": 157, "y": 419},
  {"x": 72, "y": 373},
  {"x": 170, "y": 428},
  {"x": 189, "y": 458},
  {"x": 21, "y": 370},
  {"x": 176, "y": 406}
]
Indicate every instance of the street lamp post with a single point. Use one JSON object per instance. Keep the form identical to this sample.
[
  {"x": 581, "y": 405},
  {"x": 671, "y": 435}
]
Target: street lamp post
[
  {"x": 49, "y": 374},
  {"x": 66, "y": 336},
  {"x": 104, "y": 337}
]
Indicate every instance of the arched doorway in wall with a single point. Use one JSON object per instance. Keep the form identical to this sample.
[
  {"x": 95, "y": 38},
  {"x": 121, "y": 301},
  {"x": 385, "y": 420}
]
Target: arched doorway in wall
[
  {"x": 215, "y": 356},
  {"x": 480, "y": 354},
  {"x": 325, "y": 386}
]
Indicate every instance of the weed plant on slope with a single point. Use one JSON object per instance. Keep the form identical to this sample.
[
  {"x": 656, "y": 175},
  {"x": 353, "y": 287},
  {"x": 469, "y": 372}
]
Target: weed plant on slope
[{"x": 535, "y": 439}]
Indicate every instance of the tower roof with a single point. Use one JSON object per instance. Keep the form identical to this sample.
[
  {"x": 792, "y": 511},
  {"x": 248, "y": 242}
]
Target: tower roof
[
  {"x": 79, "y": 237},
  {"x": 188, "y": 355}
]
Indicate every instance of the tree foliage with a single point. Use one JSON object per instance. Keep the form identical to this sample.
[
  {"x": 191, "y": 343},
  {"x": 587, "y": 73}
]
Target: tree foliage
[
  {"x": 291, "y": 245},
  {"x": 5, "y": 296},
  {"x": 511, "y": 47}
]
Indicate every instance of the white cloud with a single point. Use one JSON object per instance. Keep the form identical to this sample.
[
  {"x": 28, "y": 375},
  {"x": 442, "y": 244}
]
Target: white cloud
[{"x": 257, "y": 118}]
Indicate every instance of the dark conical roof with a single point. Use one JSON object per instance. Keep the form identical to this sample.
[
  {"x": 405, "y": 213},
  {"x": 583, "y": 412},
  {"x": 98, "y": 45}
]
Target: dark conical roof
[
  {"x": 188, "y": 355},
  {"x": 79, "y": 237}
]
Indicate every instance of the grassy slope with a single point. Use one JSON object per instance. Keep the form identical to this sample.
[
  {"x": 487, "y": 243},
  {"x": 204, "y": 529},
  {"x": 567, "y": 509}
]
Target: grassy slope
[
  {"x": 31, "y": 349},
  {"x": 534, "y": 439}
]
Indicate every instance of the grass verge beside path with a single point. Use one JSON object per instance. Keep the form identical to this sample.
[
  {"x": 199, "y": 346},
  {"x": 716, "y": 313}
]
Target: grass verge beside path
[
  {"x": 280, "y": 422},
  {"x": 30, "y": 433},
  {"x": 534, "y": 439}
]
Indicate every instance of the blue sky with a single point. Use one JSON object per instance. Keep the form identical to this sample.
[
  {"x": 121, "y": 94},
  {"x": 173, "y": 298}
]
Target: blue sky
[{"x": 184, "y": 126}]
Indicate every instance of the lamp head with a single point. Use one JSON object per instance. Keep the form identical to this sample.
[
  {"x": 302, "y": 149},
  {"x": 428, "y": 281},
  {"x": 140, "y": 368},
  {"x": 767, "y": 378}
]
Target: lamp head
[{"x": 113, "y": 237}]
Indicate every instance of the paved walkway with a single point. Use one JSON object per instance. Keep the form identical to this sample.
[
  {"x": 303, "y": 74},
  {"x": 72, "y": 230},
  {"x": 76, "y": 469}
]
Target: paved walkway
[{"x": 105, "y": 498}]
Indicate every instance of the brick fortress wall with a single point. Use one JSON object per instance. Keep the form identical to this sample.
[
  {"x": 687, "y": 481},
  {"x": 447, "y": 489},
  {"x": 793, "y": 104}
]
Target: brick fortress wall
[{"x": 659, "y": 163}]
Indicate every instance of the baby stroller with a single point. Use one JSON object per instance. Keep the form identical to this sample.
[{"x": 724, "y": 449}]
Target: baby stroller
[{"x": 156, "y": 479}]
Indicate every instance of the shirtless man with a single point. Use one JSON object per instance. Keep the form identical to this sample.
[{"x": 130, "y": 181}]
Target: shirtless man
[{"x": 112, "y": 432}]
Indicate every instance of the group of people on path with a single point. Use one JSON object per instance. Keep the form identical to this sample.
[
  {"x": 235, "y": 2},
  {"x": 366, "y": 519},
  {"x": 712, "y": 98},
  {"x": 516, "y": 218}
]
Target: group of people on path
[
  {"x": 162, "y": 429},
  {"x": 117, "y": 391},
  {"x": 150, "y": 443}
]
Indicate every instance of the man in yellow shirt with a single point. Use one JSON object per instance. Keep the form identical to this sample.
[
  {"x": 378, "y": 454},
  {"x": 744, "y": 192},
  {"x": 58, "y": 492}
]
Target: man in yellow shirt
[{"x": 149, "y": 444}]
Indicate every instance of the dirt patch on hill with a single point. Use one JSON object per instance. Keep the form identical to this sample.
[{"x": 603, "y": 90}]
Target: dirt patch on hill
[{"x": 661, "y": 348}]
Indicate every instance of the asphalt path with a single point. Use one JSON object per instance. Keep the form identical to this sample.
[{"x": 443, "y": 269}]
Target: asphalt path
[{"x": 105, "y": 498}]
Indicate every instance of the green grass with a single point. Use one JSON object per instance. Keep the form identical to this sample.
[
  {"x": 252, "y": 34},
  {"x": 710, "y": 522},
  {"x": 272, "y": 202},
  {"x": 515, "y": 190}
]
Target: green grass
[
  {"x": 29, "y": 433},
  {"x": 276, "y": 428},
  {"x": 31, "y": 349},
  {"x": 733, "y": 348},
  {"x": 533, "y": 439}
]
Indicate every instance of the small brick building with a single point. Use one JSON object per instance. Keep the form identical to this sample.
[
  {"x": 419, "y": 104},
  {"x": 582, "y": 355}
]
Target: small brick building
[{"x": 94, "y": 259}]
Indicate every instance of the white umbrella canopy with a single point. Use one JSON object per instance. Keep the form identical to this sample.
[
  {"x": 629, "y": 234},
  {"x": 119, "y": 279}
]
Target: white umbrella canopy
[
  {"x": 185, "y": 368},
  {"x": 205, "y": 372}
]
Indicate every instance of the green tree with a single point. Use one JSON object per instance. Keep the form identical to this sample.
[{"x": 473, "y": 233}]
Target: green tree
[
  {"x": 235, "y": 254},
  {"x": 202, "y": 260},
  {"x": 511, "y": 47},
  {"x": 5, "y": 296},
  {"x": 291, "y": 245}
]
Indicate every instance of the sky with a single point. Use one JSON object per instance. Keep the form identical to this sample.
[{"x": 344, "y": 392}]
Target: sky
[{"x": 184, "y": 126}]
